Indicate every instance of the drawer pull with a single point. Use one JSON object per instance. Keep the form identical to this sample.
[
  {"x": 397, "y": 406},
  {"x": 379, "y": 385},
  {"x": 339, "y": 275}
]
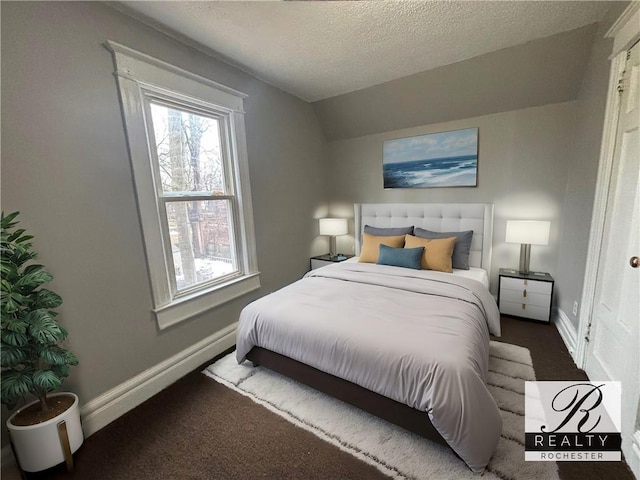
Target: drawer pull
[
  {"x": 525, "y": 281},
  {"x": 523, "y": 306},
  {"x": 524, "y": 293}
]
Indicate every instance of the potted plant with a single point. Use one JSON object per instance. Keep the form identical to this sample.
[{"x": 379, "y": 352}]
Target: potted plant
[{"x": 46, "y": 431}]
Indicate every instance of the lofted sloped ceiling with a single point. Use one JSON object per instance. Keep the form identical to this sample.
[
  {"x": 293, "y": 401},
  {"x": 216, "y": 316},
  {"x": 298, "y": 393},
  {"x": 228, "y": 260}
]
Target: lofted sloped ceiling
[
  {"x": 317, "y": 50},
  {"x": 540, "y": 72},
  {"x": 374, "y": 66}
]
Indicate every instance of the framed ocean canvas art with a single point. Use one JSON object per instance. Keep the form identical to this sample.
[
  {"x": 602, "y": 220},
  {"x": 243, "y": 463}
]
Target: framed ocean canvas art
[{"x": 446, "y": 159}]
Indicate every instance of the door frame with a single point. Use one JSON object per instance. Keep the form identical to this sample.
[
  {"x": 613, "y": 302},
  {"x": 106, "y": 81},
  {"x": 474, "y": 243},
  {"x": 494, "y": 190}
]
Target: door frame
[{"x": 625, "y": 33}]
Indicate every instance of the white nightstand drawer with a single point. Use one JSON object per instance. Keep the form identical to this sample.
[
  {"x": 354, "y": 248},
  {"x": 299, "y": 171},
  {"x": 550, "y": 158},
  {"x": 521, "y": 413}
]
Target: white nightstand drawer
[
  {"x": 534, "y": 312},
  {"x": 532, "y": 286},
  {"x": 525, "y": 296}
]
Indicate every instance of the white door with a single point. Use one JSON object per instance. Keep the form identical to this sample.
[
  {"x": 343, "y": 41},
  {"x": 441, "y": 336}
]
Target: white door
[{"x": 613, "y": 352}]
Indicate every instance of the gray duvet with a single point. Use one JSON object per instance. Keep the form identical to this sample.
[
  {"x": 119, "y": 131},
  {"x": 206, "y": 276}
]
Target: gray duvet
[{"x": 416, "y": 336}]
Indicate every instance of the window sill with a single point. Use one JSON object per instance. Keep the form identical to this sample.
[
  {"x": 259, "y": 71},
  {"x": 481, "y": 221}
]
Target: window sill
[{"x": 187, "y": 307}]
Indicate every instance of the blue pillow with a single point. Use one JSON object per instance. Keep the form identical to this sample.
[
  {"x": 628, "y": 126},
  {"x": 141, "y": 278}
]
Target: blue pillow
[
  {"x": 400, "y": 257},
  {"x": 460, "y": 257}
]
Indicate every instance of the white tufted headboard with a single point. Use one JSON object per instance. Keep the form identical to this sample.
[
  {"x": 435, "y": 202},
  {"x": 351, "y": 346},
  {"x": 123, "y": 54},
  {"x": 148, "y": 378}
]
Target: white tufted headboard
[{"x": 438, "y": 217}]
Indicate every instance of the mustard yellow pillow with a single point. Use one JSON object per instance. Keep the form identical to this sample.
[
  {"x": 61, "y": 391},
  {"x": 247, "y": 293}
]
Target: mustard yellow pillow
[
  {"x": 371, "y": 246},
  {"x": 437, "y": 251}
]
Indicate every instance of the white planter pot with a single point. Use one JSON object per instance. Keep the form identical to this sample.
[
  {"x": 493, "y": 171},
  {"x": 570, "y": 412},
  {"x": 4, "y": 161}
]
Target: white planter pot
[{"x": 38, "y": 446}]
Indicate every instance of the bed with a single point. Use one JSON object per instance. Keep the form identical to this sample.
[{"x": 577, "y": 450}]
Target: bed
[{"x": 410, "y": 346}]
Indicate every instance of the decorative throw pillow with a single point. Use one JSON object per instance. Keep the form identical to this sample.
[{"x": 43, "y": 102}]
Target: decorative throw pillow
[
  {"x": 437, "y": 252},
  {"x": 371, "y": 246},
  {"x": 401, "y": 257},
  {"x": 387, "y": 232},
  {"x": 460, "y": 257}
]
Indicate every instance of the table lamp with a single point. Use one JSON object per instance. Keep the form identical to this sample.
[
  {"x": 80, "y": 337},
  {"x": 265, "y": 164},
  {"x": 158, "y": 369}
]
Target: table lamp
[
  {"x": 527, "y": 233},
  {"x": 333, "y": 227}
]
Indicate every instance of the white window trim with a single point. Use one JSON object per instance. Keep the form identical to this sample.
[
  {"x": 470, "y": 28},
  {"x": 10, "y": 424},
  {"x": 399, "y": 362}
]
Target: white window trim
[{"x": 138, "y": 73}]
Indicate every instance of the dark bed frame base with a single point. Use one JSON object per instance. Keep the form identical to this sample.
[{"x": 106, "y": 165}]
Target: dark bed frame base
[{"x": 395, "y": 412}]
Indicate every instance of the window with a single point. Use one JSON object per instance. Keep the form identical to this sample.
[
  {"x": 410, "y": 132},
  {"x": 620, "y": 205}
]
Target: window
[
  {"x": 188, "y": 152},
  {"x": 197, "y": 203}
]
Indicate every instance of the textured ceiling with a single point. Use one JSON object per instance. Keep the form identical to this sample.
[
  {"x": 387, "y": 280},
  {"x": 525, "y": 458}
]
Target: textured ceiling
[{"x": 317, "y": 50}]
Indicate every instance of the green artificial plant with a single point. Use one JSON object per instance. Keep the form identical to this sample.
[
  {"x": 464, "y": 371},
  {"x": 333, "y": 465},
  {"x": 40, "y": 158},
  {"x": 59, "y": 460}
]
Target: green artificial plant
[{"x": 31, "y": 356}]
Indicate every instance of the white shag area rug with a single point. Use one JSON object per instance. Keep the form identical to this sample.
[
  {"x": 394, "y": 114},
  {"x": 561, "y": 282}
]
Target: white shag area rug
[{"x": 394, "y": 450}]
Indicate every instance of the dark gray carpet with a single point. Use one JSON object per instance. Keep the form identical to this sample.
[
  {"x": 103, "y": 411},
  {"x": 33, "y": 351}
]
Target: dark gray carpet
[{"x": 198, "y": 429}]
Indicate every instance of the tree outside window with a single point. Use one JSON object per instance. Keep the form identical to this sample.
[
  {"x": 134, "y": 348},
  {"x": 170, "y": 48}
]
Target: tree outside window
[{"x": 189, "y": 154}]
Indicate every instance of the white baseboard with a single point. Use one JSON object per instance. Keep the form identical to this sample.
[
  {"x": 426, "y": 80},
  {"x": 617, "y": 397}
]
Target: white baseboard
[
  {"x": 114, "y": 403},
  {"x": 567, "y": 331}
]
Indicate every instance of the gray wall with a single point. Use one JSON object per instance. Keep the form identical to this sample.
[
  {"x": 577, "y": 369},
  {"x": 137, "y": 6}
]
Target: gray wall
[
  {"x": 534, "y": 163},
  {"x": 521, "y": 169},
  {"x": 65, "y": 166},
  {"x": 583, "y": 170}
]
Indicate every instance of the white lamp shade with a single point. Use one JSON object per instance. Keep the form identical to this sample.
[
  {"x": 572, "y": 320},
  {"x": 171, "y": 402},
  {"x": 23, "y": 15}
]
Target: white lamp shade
[
  {"x": 528, "y": 231},
  {"x": 333, "y": 226}
]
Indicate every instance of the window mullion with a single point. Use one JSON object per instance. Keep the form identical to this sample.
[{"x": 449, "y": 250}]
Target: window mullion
[
  {"x": 229, "y": 152},
  {"x": 165, "y": 238},
  {"x": 190, "y": 197},
  {"x": 167, "y": 248},
  {"x": 245, "y": 224},
  {"x": 172, "y": 100}
]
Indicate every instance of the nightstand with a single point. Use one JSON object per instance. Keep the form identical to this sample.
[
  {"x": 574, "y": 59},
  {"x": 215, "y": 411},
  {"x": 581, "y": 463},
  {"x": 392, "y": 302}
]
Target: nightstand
[
  {"x": 323, "y": 260},
  {"x": 525, "y": 296}
]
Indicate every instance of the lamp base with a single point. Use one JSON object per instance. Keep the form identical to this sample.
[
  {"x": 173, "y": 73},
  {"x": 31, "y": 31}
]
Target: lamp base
[
  {"x": 525, "y": 256},
  {"x": 332, "y": 246}
]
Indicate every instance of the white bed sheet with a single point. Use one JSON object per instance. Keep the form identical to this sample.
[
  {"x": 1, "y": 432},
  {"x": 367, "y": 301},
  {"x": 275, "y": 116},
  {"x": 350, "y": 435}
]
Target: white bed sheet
[{"x": 475, "y": 273}]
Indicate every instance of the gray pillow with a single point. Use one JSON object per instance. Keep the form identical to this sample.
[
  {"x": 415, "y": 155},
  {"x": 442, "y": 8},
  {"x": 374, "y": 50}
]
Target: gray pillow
[
  {"x": 460, "y": 257},
  {"x": 388, "y": 232}
]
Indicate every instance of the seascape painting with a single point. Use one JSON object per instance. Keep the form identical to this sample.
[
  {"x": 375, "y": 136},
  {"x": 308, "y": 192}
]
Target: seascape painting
[{"x": 447, "y": 159}]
